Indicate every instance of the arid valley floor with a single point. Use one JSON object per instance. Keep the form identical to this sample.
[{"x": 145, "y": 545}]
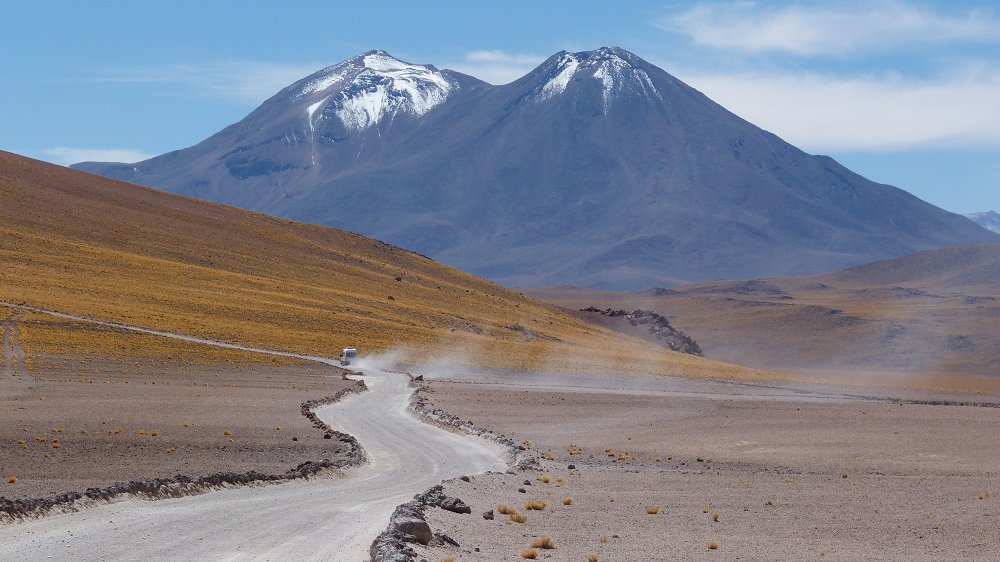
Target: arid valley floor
[{"x": 663, "y": 467}]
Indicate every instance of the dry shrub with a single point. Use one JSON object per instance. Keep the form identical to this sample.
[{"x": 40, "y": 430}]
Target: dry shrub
[
  {"x": 529, "y": 553},
  {"x": 568, "y": 500},
  {"x": 603, "y": 539},
  {"x": 544, "y": 479},
  {"x": 652, "y": 510},
  {"x": 591, "y": 558},
  {"x": 713, "y": 545},
  {"x": 11, "y": 480},
  {"x": 543, "y": 541},
  {"x": 516, "y": 517},
  {"x": 535, "y": 505},
  {"x": 704, "y": 510},
  {"x": 506, "y": 510}
]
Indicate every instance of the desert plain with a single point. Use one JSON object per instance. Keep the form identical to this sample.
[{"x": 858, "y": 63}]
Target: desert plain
[{"x": 629, "y": 467}]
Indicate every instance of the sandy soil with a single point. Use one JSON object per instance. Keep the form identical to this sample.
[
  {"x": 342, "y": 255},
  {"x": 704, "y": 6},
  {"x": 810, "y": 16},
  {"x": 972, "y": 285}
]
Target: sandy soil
[
  {"x": 796, "y": 471},
  {"x": 68, "y": 429}
]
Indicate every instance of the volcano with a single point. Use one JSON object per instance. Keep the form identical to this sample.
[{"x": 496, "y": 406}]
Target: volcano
[{"x": 595, "y": 169}]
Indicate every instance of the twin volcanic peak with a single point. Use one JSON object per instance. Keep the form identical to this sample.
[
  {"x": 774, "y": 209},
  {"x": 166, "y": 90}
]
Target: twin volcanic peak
[{"x": 594, "y": 169}]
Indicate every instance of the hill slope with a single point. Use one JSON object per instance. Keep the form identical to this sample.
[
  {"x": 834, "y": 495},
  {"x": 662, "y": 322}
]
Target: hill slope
[
  {"x": 932, "y": 317},
  {"x": 595, "y": 169},
  {"x": 83, "y": 244}
]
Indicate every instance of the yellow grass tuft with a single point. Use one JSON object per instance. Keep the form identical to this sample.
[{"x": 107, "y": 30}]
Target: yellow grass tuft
[
  {"x": 652, "y": 510},
  {"x": 529, "y": 553},
  {"x": 227, "y": 432},
  {"x": 516, "y": 517},
  {"x": 715, "y": 517},
  {"x": 11, "y": 480},
  {"x": 544, "y": 541},
  {"x": 544, "y": 479},
  {"x": 536, "y": 505},
  {"x": 591, "y": 558},
  {"x": 713, "y": 545},
  {"x": 505, "y": 509},
  {"x": 568, "y": 500}
]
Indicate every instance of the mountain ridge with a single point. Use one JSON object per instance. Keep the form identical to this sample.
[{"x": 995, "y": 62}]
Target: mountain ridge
[
  {"x": 990, "y": 220},
  {"x": 596, "y": 168}
]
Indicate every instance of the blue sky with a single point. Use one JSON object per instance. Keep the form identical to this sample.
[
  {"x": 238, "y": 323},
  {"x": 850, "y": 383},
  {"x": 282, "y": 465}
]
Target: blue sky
[{"x": 905, "y": 92}]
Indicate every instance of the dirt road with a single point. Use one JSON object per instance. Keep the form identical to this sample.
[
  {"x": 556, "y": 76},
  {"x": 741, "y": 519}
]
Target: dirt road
[{"x": 326, "y": 518}]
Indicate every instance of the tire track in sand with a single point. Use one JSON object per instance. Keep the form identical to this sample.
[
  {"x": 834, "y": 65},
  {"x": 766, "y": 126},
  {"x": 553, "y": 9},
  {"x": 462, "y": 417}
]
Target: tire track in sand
[{"x": 13, "y": 353}]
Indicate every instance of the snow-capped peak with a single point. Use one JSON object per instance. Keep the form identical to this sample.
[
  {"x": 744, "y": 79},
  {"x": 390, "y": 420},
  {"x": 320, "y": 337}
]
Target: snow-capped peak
[
  {"x": 565, "y": 70},
  {"x": 617, "y": 70},
  {"x": 373, "y": 86},
  {"x": 990, "y": 220}
]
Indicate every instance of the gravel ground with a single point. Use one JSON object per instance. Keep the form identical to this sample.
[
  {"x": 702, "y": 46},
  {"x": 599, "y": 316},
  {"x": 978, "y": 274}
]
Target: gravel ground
[
  {"x": 800, "y": 472},
  {"x": 166, "y": 420}
]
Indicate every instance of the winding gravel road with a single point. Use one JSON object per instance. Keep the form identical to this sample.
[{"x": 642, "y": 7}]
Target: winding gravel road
[{"x": 326, "y": 518}]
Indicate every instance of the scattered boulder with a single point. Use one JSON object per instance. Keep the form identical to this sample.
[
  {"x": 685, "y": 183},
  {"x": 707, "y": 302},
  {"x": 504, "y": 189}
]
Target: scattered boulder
[
  {"x": 416, "y": 528},
  {"x": 454, "y": 505}
]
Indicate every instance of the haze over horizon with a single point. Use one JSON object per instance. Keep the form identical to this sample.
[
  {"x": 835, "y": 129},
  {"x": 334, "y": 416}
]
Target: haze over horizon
[{"x": 903, "y": 92}]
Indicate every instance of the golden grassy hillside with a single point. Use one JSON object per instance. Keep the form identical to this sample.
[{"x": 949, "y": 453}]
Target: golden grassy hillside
[
  {"x": 87, "y": 245},
  {"x": 928, "y": 319}
]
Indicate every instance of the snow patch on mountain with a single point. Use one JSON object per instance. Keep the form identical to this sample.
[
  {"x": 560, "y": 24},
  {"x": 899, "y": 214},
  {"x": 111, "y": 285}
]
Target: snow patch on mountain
[
  {"x": 616, "y": 74},
  {"x": 330, "y": 77},
  {"x": 990, "y": 220},
  {"x": 311, "y": 110},
  {"x": 616, "y": 70},
  {"x": 374, "y": 86},
  {"x": 567, "y": 69},
  {"x": 388, "y": 86}
]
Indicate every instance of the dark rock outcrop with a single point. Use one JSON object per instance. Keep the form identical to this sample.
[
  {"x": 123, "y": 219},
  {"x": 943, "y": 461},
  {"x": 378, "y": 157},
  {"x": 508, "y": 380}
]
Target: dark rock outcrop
[{"x": 665, "y": 334}]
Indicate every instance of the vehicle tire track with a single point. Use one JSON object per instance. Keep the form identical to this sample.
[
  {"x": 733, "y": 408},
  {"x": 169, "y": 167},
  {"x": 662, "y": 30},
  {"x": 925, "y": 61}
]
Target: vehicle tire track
[{"x": 13, "y": 353}]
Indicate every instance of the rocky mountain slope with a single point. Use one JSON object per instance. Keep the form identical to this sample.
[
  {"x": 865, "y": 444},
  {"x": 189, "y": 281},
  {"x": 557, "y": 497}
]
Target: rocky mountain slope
[{"x": 595, "y": 169}]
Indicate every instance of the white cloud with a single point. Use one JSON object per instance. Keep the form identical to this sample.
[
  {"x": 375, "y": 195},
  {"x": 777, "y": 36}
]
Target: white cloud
[
  {"x": 65, "y": 155},
  {"x": 820, "y": 112},
  {"x": 496, "y": 67},
  {"x": 828, "y": 28},
  {"x": 246, "y": 82}
]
